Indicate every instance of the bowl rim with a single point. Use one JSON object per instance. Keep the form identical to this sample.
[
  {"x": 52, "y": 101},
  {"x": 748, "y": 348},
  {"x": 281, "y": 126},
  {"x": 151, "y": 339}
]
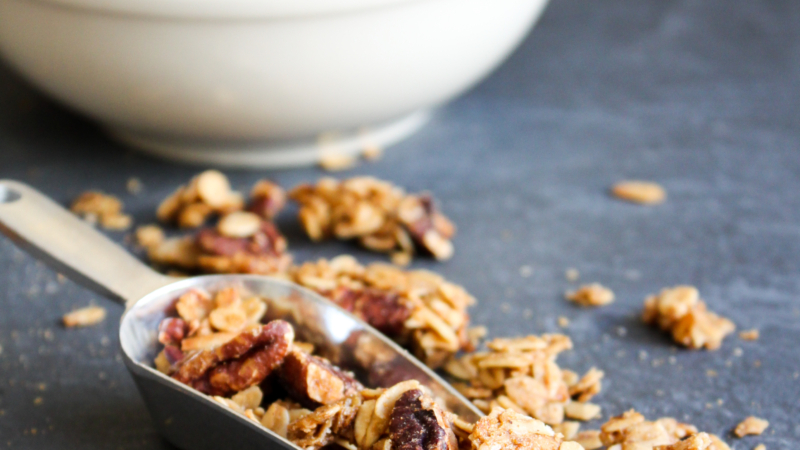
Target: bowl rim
[{"x": 222, "y": 9}]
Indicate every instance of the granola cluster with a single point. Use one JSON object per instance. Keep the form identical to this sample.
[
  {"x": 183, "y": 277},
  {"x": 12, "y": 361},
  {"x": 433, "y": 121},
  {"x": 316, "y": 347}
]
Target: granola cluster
[
  {"x": 630, "y": 430},
  {"x": 521, "y": 374},
  {"x": 218, "y": 346},
  {"x": 381, "y": 216},
  {"x": 419, "y": 309},
  {"x": 242, "y": 241},
  {"x": 680, "y": 311},
  {"x": 96, "y": 207}
]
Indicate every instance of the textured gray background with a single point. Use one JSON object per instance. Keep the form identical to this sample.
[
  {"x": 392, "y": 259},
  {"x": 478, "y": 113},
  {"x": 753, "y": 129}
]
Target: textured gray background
[{"x": 700, "y": 96}]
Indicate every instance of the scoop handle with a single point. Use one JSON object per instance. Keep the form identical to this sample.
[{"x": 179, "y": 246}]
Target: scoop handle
[{"x": 71, "y": 246}]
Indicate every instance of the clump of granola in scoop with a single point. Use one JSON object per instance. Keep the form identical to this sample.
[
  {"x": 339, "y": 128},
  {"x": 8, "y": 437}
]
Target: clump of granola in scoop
[
  {"x": 381, "y": 216},
  {"x": 419, "y": 309}
]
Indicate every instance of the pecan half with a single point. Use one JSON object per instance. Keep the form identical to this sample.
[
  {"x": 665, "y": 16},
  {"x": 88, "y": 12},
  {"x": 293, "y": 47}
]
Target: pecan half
[
  {"x": 263, "y": 252},
  {"x": 383, "y": 310},
  {"x": 314, "y": 381},
  {"x": 417, "y": 424},
  {"x": 172, "y": 330},
  {"x": 244, "y": 361}
]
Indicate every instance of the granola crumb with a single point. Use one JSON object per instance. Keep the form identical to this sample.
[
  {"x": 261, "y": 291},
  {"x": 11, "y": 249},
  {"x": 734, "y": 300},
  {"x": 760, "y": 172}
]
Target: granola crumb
[
  {"x": 563, "y": 322},
  {"x": 642, "y": 192},
  {"x": 760, "y": 447},
  {"x": 401, "y": 259},
  {"x": 582, "y": 411},
  {"x": 711, "y": 373},
  {"x": 38, "y": 401},
  {"x": 572, "y": 274},
  {"x": 372, "y": 152},
  {"x": 751, "y": 425},
  {"x": 96, "y": 207},
  {"x": 336, "y": 162},
  {"x": 525, "y": 271},
  {"x": 593, "y": 294},
  {"x": 134, "y": 185},
  {"x": 148, "y": 236},
  {"x": 749, "y": 335},
  {"x": 680, "y": 311},
  {"x": 84, "y": 317}
]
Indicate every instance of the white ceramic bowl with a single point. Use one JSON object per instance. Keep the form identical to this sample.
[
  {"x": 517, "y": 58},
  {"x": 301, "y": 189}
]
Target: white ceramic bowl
[{"x": 255, "y": 82}]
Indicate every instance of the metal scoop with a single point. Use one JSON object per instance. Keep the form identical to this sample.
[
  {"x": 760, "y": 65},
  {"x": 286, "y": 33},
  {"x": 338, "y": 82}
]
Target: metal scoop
[{"x": 184, "y": 416}]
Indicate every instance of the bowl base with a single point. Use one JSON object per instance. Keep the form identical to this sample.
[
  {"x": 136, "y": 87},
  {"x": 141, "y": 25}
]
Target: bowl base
[{"x": 275, "y": 155}]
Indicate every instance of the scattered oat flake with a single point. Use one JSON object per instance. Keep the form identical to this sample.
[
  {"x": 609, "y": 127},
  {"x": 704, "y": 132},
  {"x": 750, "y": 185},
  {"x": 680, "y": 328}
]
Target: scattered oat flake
[
  {"x": 525, "y": 271},
  {"x": 134, "y": 185},
  {"x": 149, "y": 236},
  {"x": 572, "y": 274},
  {"x": 749, "y": 335},
  {"x": 335, "y": 162},
  {"x": 38, "y": 401},
  {"x": 751, "y": 425},
  {"x": 711, "y": 373},
  {"x": 563, "y": 322},
  {"x": 372, "y": 152},
  {"x": 642, "y": 192},
  {"x": 593, "y": 294},
  {"x": 760, "y": 447},
  {"x": 84, "y": 317}
]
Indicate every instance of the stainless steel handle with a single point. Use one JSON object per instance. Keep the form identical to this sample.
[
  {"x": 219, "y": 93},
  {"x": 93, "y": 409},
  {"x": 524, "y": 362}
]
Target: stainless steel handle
[{"x": 71, "y": 246}]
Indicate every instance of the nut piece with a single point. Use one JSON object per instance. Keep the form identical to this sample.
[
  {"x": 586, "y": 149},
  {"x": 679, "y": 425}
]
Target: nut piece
[
  {"x": 417, "y": 424},
  {"x": 267, "y": 199},
  {"x": 84, "y": 317},
  {"x": 507, "y": 430},
  {"x": 239, "y": 224},
  {"x": 751, "y": 425},
  {"x": 240, "y": 363},
  {"x": 593, "y": 294},
  {"x": 680, "y": 311},
  {"x": 643, "y": 192},
  {"x": 314, "y": 381}
]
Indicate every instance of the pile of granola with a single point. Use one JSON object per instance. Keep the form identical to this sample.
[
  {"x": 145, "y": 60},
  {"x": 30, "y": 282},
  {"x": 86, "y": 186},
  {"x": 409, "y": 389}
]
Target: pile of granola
[
  {"x": 380, "y": 215},
  {"x": 242, "y": 241},
  {"x": 630, "y": 430},
  {"x": 521, "y": 374},
  {"x": 217, "y": 345},
  {"x": 680, "y": 311},
  {"x": 419, "y": 309}
]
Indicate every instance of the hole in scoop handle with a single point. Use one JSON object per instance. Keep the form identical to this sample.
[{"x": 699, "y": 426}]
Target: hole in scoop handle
[{"x": 71, "y": 246}]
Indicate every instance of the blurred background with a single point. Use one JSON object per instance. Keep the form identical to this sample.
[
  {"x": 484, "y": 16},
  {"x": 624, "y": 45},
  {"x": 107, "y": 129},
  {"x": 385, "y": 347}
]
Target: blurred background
[{"x": 699, "y": 96}]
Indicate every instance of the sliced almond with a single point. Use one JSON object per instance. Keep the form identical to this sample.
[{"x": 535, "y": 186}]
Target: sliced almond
[
  {"x": 363, "y": 419},
  {"x": 249, "y": 398},
  {"x": 276, "y": 418},
  {"x": 206, "y": 342},
  {"x": 232, "y": 318},
  {"x": 255, "y": 309},
  {"x": 213, "y": 188},
  {"x": 385, "y": 403},
  {"x": 239, "y": 224}
]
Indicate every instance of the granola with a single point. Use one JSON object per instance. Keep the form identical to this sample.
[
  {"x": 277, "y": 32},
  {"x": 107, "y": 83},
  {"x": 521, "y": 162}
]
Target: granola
[
  {"x": 191, "y": 205},
  {"x": 419, "y": 309},
  {"x": 84, "y": 317},
  {"x": 593, "y": 294},
  {"x": 218, "y": 345},
  {"x": 750, "y": 335},
  {"x": 97, "y": 207},
  {"x": 642, "y": 192},
  {"x": 751, "y": 425},
  {"x": 631, "y": 430},
  {"x": 680, "y": 311},
  {"x": 380, "y": 215},
  {"x": 521, "y": 374}
]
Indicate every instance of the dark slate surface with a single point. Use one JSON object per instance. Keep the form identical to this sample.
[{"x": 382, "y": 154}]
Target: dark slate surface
[{"x": 698, "y": 95}]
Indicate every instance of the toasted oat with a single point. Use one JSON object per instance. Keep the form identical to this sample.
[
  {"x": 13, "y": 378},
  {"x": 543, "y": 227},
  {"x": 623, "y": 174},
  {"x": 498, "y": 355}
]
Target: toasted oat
[
  {"x": 84, "y": 317},
  {"x": 582, "y": 411},
  {"x": 572, "y": 274},
  {"x": 380, "y": 215},
  {"x": 589, "y": 439},
  {"x": 588, "y": 386},
  {"x": 680, "y": 311},
  {"x": 96, "y": 207},
  {"x": 631, "y": 431},
  {"x": 372, "y": 152},
  {"x": 751, "y": 425},
  {"x": 593, "y": 294},
  {"x": 568, "y": 428},
  {"x": 239, "y": 224},
  {"x": 134, "y": 185},
  {"x": 149, "y": 236},
  {"x": 749, "y": 335},
  {"x": 335, "y": 162},
  {"x": 643, "y": 192},
  {"x": 760, "y": 447}
]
